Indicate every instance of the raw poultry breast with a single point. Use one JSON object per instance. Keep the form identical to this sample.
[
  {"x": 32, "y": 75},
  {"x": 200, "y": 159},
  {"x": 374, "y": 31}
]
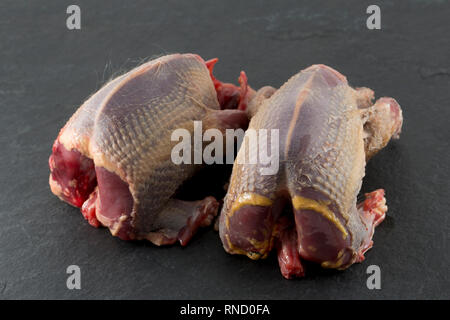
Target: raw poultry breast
[
  {"x": 308, "y": 209},
  {"x": 113, "y": 157}
]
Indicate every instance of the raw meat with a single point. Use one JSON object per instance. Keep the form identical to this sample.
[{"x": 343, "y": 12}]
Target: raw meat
[
  {"x": 309, "y": 210},
  {"x": 113, "y": 157}
]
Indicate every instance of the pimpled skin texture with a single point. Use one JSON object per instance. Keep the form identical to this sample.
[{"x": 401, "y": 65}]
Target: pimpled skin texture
[
  {"x": 113, "y": 157},
  {"x": 308, "y": 209}
]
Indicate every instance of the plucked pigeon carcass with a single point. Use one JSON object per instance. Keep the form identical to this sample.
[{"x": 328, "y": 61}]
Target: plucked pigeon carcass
[
  {"x": 308, "y": 209},
  {"x": 113, "y": 157}
]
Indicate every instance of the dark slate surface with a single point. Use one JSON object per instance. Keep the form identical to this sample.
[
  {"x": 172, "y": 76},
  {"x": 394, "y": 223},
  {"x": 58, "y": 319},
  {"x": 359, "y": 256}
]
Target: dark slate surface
[{"x": 46, "y": 71}]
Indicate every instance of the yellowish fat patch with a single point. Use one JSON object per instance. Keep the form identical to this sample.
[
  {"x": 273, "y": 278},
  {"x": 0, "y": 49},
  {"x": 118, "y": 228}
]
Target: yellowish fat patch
[
  {"x": 332, "y": 264},
  {"x": 262, "y": 246},
  {"x": 233, "y": 250},
  {"x": 302, "y": 203},
  {"x": 250, "y": 199}
]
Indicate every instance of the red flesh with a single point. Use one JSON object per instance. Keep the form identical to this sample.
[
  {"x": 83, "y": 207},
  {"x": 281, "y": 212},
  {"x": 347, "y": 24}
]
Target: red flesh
[
  {"x": 88, "y": 210},
  {"x": 201, "y": 218},
  {"x": 288, "y": 253},
  {"x": 73, "y": 172},
  {"x": 229, "y": 95},
  {"x": 114, "y": 202},
  {"x": 372, "y": 211}
]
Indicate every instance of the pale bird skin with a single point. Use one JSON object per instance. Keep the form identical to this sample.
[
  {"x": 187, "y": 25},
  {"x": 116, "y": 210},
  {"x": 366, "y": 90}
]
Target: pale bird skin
[
  {"x": 308, "y": 209},
  {"x": 113, "y": 157}
]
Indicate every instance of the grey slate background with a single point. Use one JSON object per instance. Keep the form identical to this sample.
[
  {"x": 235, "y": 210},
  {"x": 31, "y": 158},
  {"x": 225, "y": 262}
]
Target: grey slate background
[{"x": 46, "y": 72}]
